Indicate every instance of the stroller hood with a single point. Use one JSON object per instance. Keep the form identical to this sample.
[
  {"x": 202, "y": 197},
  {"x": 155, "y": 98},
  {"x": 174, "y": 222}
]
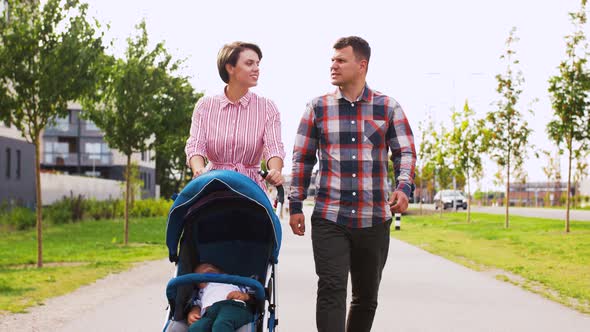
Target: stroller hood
[{"x": 208, "y": 183}]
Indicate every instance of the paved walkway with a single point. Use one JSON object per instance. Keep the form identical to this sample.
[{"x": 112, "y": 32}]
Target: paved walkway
[{"x": 419, "y": 292}]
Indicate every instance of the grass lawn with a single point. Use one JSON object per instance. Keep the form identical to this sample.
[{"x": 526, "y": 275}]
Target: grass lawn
[
  {"x": 73, "y": 255},
  {"x": 533, "y": 253}
]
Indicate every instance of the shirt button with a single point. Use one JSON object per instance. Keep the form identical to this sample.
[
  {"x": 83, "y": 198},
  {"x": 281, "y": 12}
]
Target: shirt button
[
  {"x": 354, "y": 193},
  {"x": 354, "y": 175},
  {"x": 353, "y": 157},
  {"x": 352, "y": 104},
  {"x": 353, "y": 139},
  {"x": 352, "y": 121},
  {"x": 353, "y": 211}
]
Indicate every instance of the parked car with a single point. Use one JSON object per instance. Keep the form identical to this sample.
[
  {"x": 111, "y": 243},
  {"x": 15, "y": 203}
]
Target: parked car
[{"x": 450, "y": 199}]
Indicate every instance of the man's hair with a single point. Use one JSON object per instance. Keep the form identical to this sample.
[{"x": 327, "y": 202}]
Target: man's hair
[
  {"x": 230, "y": 53},
  {"x": 360, "y": 47}
]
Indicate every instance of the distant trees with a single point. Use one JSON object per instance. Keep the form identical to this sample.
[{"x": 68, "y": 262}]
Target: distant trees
[{"x": 466, "y": 144}]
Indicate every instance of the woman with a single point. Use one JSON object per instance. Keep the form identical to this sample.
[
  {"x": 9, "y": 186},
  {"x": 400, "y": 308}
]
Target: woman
[{"x": 236, "y": 129}]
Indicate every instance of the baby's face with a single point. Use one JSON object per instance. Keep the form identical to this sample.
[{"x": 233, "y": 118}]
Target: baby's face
[{"x": 206, "y": 268}]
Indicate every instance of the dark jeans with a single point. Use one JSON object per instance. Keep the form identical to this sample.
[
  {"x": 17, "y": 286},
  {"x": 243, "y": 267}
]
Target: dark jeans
[
  {"x": 223, "y": 316},
  {"x": 338, "y": 250}
]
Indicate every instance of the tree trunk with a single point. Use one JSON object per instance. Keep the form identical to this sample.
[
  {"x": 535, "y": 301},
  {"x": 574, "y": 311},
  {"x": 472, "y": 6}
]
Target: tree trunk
[
  {"x": 569, "y": 183},
  {"x": 468, "y": 200},
  {"x": 507, "y": 198},
  {"x": 39, "y": 208},
  {"x": 127, "y": 192}
]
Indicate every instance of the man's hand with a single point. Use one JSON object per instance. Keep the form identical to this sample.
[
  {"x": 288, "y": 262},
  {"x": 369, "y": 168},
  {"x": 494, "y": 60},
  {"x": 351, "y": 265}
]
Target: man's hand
[
  {"x": 297, "y": 223},
  {"x": 398, "y": 202},
  {"x": 274, "y": 177},
  {"x": 194, "y": 315},
  {"x": 237, "y": 295}
]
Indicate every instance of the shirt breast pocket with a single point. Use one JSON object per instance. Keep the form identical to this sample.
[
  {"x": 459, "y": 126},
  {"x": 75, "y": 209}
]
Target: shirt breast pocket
[{"x": 374, "y": 131}]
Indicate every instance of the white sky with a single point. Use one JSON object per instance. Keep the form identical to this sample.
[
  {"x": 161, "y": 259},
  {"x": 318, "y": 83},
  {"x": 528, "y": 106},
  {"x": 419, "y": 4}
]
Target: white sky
[{"x": 428, "y": 55}]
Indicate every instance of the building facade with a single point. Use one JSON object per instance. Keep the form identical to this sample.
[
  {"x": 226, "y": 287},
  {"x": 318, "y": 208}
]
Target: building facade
[
  {"x": 17, "y": 169},
  {"x": 72, "y": 145}
]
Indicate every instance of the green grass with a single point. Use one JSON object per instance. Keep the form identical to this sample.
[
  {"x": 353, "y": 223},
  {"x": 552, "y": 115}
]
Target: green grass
[
  {"x": 534, "y": 253},
  {"x": 73, "y": 255}
]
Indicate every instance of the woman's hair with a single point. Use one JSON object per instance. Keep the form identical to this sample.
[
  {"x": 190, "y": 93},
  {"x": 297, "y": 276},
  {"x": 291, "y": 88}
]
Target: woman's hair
[{"x": 230, "y": 53}]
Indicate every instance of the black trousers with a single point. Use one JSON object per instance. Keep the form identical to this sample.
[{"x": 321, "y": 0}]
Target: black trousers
[{"x": 338, "y": 251}]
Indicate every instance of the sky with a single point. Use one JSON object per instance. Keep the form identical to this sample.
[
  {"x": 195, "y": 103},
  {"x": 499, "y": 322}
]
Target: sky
[{"x": 428, "y": 55}]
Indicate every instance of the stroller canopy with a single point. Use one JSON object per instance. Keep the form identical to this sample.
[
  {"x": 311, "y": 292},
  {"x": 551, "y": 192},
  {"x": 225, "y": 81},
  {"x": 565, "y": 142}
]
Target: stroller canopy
[{"x": 209, "y": 183}]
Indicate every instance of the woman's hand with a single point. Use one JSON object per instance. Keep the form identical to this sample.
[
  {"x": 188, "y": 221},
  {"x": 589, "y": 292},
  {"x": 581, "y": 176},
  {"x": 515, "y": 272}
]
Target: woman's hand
[
  {"x": 274, "y": 177},
  {"x": 198, "y": 171}
]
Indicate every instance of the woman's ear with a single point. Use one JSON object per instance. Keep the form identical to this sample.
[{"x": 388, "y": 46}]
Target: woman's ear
[{"x": 229, "y": 68}]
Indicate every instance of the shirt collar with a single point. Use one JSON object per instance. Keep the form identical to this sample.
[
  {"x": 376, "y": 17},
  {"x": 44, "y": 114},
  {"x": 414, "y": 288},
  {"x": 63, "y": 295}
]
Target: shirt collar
[
  {"x": 366, "y": 95},
  {"x": 244, "y": 101}
]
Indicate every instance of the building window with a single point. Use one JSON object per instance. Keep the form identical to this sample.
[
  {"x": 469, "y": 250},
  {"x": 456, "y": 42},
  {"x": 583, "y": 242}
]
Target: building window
[
  {"x": 18, "y": 164},
  {"x": 8, "y": 163}
]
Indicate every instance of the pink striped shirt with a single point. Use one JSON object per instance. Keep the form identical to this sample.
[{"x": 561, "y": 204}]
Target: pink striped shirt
[{"x": 236, "y": 136}]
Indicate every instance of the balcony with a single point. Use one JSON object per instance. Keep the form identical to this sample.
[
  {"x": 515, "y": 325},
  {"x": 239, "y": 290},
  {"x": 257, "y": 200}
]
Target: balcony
[
  {"x": 97, "y": 159},
  {"x": 60, "y": 159},
  {"x": 61, "y": 128}
]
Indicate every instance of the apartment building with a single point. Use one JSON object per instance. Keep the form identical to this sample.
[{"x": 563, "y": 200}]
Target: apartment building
[{"x": 72, "y": 145}]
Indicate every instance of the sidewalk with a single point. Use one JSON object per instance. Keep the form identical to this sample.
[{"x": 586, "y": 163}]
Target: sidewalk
[{"x": 423, "y": 292}]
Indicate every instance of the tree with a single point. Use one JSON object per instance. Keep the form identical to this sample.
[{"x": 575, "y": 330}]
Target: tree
[
  {"x": 424, "y": 169},
  {"x": 466, "y": 146},
  {"x": 48, "y": 56},
  {"x": 509, "y": 133},
  {"x": 172, "y": 125},
  {"x": 552, "y": 171},
  {"x": 127, "y": 101},
  {"x": 569, "y": 99},
  {"x": 580, "y": 173}
]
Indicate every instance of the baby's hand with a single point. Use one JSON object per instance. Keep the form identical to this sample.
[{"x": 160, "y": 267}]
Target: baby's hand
[
  {"x": 194, "y": 315},
  {"x": 236, "y": 295}
]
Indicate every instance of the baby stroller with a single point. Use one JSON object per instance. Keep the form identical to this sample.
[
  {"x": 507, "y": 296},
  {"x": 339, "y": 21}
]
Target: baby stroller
[{"x": 224, "y": 218}]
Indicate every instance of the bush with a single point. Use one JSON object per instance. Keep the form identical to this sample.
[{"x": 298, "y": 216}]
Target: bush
[
  {"x": 18, "y": 218},
  {"x": 75, "y": 209},
  {"x": 150, "y": 208}
]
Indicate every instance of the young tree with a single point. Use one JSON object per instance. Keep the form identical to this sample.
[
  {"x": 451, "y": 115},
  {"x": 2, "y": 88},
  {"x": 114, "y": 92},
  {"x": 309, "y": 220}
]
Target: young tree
[
  {"x": 466, "y": 146},
  {"x": 579, "y": 174},
  {"x": 126, "y": 104},
  {"x": 569, "y": 98},
  {"x": 509, "y": 133},
  {"x": 424, "y": 165},
  {"x": 48, "y": 56},
  {"x": 172, "y": 125}
]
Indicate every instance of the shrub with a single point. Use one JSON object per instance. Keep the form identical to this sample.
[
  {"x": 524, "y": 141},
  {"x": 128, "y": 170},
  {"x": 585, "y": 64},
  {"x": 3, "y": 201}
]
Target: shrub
[{"x": 18, "y": 218}]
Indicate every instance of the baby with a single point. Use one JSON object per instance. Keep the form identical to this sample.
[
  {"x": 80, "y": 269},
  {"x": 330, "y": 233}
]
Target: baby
[{"x": 218, "y": 307}]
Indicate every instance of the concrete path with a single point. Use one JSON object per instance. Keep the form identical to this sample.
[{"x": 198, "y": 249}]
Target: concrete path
[{"x": 419, "y": 292}]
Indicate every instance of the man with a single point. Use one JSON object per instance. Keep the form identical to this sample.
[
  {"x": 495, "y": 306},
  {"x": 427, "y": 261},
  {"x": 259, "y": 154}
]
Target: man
[{"x": 353, "y": 129}]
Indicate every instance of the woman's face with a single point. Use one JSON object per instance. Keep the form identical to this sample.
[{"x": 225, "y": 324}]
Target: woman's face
[{"x": 246, "y": 71}]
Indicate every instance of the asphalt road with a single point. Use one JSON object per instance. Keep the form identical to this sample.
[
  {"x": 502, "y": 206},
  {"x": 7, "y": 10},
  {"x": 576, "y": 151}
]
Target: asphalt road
[
  {"x": 575, "y": 215},
  {"x": 419, "y": 292}
]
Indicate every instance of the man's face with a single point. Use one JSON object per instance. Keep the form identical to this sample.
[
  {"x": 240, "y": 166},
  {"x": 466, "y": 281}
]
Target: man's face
[
  {"x": 345, "y": 67},
  {"x": 246, "y": 71}
]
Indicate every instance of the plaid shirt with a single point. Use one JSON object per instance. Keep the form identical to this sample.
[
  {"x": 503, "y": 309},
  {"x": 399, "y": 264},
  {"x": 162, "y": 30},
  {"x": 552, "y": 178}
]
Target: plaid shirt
[{"x": 352, "y": 140}]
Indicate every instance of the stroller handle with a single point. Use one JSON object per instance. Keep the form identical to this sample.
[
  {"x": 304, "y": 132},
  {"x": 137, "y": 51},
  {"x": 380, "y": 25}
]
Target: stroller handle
[{"x": 280, "y": 189}]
